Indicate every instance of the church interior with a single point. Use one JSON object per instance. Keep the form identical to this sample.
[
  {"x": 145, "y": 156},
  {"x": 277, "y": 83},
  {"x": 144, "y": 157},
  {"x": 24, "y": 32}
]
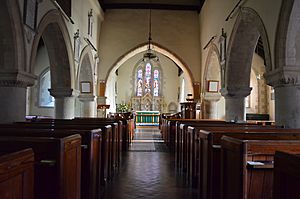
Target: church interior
[{"x": 149, "y": 99}]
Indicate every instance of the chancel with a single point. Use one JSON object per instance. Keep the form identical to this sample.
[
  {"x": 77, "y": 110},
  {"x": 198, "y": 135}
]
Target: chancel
[{"x": 149, "y": 99}]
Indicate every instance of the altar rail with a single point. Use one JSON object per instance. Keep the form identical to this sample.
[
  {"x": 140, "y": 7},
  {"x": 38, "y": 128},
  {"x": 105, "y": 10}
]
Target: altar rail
[{"x": 147, "y": 118}]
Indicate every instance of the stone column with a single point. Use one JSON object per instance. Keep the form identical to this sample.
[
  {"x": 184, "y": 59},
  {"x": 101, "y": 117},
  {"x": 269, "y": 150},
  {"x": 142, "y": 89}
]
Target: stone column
[
  {"x": 211, "y": 108},
  {"x": 87, "y": 105},
  {"x": 235, "y": 103},
  {"x": 286, "y": 84},
  {"x": 101, "y": 100},
  {"x": 13, "y": 96},
  {"x": 64, "y": 102}
]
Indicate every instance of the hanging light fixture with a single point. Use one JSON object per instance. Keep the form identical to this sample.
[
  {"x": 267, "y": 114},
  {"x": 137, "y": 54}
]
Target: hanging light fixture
[{"x": 150, "y": 53}]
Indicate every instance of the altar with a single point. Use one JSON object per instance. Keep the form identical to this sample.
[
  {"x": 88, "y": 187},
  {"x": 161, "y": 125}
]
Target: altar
[{"x": 147, "y": 118}]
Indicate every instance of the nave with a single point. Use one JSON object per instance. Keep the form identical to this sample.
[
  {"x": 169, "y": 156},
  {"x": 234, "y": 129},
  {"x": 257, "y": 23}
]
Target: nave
[{"x": 148, "y": 171}]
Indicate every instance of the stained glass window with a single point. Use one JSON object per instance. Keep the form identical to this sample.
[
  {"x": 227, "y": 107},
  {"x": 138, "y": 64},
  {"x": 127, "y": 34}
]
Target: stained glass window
[
  {"x": 156, "y": 83},
  {"x": 139, "y": 89},
  {"x": 148, "y": 79}
]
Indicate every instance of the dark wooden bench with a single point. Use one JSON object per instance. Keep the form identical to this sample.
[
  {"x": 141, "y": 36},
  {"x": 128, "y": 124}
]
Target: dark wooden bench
[
  {"x": 17, "y": 175},
  {"x": 90, "y": 152},
  {"x": 106, "y": 146},
  {"x": 247, "y": 163},
  {"x": 57, "y": 163},
  {"x": 200, "y": 137},
  {"x": 206, "y": 160},
  {"x": 286, "y": 175},
  {"x": 184, "y": 141}
]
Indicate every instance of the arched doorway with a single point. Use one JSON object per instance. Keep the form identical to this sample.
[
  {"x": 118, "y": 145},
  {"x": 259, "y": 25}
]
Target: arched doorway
[
  {"x": 247, "y": 30},
  {"x": 52, "y": 30}
]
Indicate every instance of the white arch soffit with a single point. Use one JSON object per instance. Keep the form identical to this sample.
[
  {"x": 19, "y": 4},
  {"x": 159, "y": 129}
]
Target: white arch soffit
[{"x": 160, "y": 50}]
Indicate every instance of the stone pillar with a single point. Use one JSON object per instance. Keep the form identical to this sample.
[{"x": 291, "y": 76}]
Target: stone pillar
[
  {"x": 64, "y": 102},
  {"x": 13, "y": 96},
  {"x": 286, "y": 84},
  {"x": 101, "y": 112},
  {"x": 235, "y": 103},
  {"x": 211, "y": 108},
  {"x": 87, "y": 105}
]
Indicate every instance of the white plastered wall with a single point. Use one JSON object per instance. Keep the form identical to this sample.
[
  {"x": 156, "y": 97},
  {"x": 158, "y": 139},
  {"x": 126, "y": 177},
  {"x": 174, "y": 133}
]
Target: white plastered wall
[{"x": 124, "y": 30}]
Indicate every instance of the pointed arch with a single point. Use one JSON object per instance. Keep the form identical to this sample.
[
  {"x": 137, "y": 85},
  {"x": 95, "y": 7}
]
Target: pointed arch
[
  {"x": 246, "y": 32},
  {"x": 12, "y": 44},
  {"x": 158, "y": 48},
  {"x": 85, "y": 68},
  {"x": 287, "y": 30},
  {"x": 213, "y": 52}
]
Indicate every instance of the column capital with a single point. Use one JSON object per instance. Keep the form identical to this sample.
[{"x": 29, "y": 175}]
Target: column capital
[
  {"x": 62, "y": 92},
  {"x": 283, "y": 76},
  {"x": 16, "y": 79},
  {"x": 236, "y": 92},
  {"x": 86, "y": 98},
  {"x": 214, "y": 97}
]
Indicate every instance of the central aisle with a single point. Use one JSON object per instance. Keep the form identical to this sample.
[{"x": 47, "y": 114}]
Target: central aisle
[{"x": 148, "y": 171}]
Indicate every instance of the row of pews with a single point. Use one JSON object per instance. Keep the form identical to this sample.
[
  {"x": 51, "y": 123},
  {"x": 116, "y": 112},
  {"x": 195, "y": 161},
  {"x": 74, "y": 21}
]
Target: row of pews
[
  {"x": 234, "y": 160},
  {"x": 61, "y": 159}
]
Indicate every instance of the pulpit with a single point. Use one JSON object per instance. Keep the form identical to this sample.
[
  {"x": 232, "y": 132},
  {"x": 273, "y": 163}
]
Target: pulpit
[{"x": 188, "y": 110}]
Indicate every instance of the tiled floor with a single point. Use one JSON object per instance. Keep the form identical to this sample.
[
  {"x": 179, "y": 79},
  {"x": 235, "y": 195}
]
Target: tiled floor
[{"x": 148, "y": 172}]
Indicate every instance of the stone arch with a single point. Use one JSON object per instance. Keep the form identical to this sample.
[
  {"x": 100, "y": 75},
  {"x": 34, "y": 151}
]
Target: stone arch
[
  {"x": 287, "y": 30},
  {"x": 246, "y": 32},
  {"x": 212, "y": 71},
  {"x": 213, "y": 56},
  {"x": 52, "y": 29},
  {"x": 85, "y": 69},
  {"x": 158, "y": 48},
  {"x": 12, "y": 46}
]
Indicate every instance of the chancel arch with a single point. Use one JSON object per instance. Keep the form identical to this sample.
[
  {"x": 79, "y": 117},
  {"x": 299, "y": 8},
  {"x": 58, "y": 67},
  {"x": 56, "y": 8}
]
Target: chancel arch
[
  {"x": 213, "y": 103},
  {"x": 246, "y": 32},
  {"x": 53, "y": 31},
  {"x": 140, "y": 50}
]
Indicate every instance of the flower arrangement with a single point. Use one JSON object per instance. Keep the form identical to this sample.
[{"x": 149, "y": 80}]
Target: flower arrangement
[{"x": 122, "y": 108}]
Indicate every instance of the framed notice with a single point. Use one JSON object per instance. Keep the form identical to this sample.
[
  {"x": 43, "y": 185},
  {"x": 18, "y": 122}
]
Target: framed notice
[
  {"x": 213, "y": 86},
  {"x": 85, "y": 87},
  {"x": 30, "y": 12}
]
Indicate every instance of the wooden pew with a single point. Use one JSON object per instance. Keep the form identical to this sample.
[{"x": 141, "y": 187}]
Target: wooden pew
[
  {"x": 90, "y": 153},
  {"x": 286, "y": 175},
  {"x": 106, "y": 167},
  {"x": 206, "y": 158},
  {"x": 57, "y": 167},
  {"x": 17, "y": 175},
  {"x": 169, "y": 132},
  {"x": 184, "y": 140},
  {"x": 247, "y": 163}
]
